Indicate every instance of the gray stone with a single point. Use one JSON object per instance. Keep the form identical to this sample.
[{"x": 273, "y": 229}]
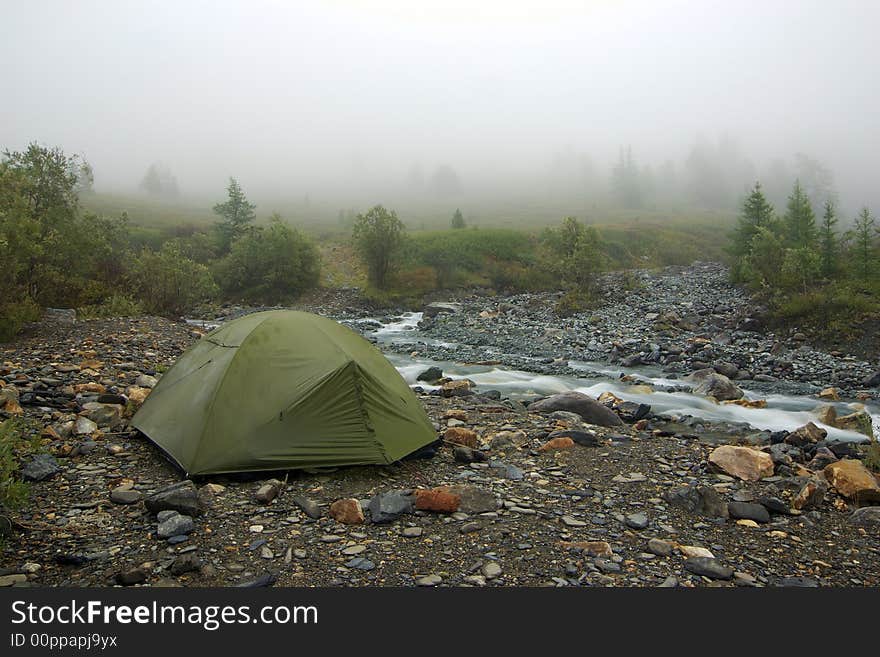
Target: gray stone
[
  {"x": 866, "y": 516},
  {"x": 711, "y": 384},
  {"x": 637, "y": 521},
  {"x": 185, "y": 563},
  {"x": 702, "y": 500},
  {"x": 311, "y": 508},
  {"x": 268, "y": 491},
  {"x": 125, "y": 496},
  {"x": 748, "y": 511},
  {"x": 590, "y": 410},
  {"x": 40, "y": 467},
  {"x": 708, "y": 567},
  {"x": 176, "y": 525},
  {"x": 182, "y": 497},
  {"x": 386, "y": 507}
]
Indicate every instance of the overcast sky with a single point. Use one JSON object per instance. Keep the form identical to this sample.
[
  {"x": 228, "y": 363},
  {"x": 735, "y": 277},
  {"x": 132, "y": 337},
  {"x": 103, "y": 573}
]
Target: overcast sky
[{"x": 289, "y": 94}]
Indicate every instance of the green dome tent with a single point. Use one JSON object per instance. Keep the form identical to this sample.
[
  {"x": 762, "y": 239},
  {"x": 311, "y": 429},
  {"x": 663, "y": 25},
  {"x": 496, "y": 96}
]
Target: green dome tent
[{"x": 282, "y": 390}]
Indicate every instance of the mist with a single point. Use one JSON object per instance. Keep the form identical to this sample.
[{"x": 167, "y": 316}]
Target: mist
[{"x": 346, "y": 102}]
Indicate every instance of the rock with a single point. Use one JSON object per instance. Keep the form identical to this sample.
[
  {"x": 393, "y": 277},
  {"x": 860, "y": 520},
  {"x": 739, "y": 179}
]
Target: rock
[
  {"x": 506, "y": 470},
  {"x": 387, "y": 507},
  {"x": 708, "y": 567},
  {"x": 146, "y": 381},
  {"x": 504, "y": 439},
  {"x": 411, "y": 532},
  {"x": 208, "y": 493},
  {"x": 461, "y": 436},
  {"x": 176, "y": 525},
  {"x": 660, "y": 547},
  {"x": 131, "y": 577},
  {"x": 637, "y": 521},
  {"x": 84, "y": 426},
  {"x": 583, "y": 438},
  {"x": 457, "y": 388},
  {"x": 590, "y": 410},
  {"x": 555, "y": 444},
  {"x": 832, "y": 394},
  {"x": 430, "y": 375},
  {"x": 311, "y": 508},
  {"x": 774, "y": 505},
  {"x": 109, "y": 416},
  {"x": 473, "y": 499},
  {"x": 866, "y": 516},
  {"x": 185, "y": 563},
  {"x": 122, "y": 495},
  {"x": 853, "y": 480},
  {"x": 429, "y": 580},
  {"x": 860, "y": 422},
  {"x": 810, "y": 496},
  {"x": 491, "y": 570},
  {"x": 742, "y": 462},
  {"x": 821, "y": 459},
  {"x": 268, "y": 491},
  {"x": 691, "y": 551},
  {"x": 748, "y": 511},
  {"x": 347, "y": 511},
  {"x": 181, "y": 497},
  {"x": 9, "y": 400},
  {"x": 872, "y": 380},
  {"x": 726, "y": 369},
  {"x": 40, "y": 468},
  {"x": 806, "y": 435},
  {"x": 437, "y": 500},
  {"x": 468, "y": 455},
  {"x": 137, "y": 395},
  {"x": 590, "y": 548},
  {"x": 703, "y": 500},
  {"x": 570, "y": 521},
  {"x": 711, "y": 384},
  {"x": 438, "y": 308}
]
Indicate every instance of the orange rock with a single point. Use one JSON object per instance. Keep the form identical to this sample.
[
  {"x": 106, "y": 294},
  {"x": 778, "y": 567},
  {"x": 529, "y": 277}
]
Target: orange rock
[
  {"x": 641, "y": 425},
  {"x": 742, "y": 462},
  {"x": 137, "y": 395},
  {"x": 437, "y": 500},
  {"x": 91, "y": 364},
  {"x": 852, "y": 480},
  {"x": 747, "y": 403},
  {"x": 456, "y": 414},
  {"x": 89, "y": 387},
  {"x": 556, "y": 443},
  {"x": 461, "y": 436},
  {"x": 347, "y": 511}
]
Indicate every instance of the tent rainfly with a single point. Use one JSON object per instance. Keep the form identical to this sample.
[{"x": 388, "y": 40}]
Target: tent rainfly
[{"x": 282, "y": 390}]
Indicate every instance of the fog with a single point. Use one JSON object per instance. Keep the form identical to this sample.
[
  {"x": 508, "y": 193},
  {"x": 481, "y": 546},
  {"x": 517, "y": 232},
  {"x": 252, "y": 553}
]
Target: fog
[{"x": 367, "y": 101}]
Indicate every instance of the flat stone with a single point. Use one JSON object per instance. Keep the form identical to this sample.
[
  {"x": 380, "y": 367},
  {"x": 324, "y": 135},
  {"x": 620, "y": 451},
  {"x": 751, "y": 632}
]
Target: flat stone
[
  {"x": 119, "y": 496},
  {"x": 708, "y": 567}
]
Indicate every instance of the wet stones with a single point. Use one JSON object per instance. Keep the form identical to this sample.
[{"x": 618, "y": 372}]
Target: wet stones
[
  {"x": 711, "y": 384},
  {"x": 853, "y": 480},
  {"x": 806, "y": 435}
]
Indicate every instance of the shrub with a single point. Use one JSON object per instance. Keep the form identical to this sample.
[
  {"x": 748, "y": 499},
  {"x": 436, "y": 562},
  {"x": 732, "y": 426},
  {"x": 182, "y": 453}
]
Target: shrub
[
  {"x": 117, "y": 305},
  {"x": 269, "y": 265},
  {"x": 15, "y": 315},
  {"x": 169, "y": 283},
  {"x": 13, "y": 492}
]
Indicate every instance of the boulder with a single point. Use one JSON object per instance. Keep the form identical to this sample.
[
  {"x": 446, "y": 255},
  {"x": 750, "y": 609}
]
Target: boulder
[
  {"x": 810, "y": 495},
  {"x": 872, "y": 380},
  {"x": 430, "y": 375},
  {"x": 860, "y": 422},
  {"x": 853, "y": 480},
  {"x": 457, "y": 388},
  {"x": 866, "y": 516},
  {"x": 742, "y": 462},
  {"x": 748, "y": 511},
  {"x": 711, "y": 384},
  {"x": 555, "y": 444},
  {"x": 182, "y": 497},
  {"x": 808, "y": 434},
  {"x": 40, "y": 467},
  {"x": 590, "y": 410}
]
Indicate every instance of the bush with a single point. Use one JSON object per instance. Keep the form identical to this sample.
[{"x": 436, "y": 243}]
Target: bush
[
  {"x": 169, "y": 283},
  {"x": 15, "y": 315},
  {"x": 13, "y": 492},
  {"x": 269, "y": 265},
  {"x": 117, "y": 305}
]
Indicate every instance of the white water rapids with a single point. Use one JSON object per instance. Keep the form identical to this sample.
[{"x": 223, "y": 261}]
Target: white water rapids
[{"x": 783, "y": 412}]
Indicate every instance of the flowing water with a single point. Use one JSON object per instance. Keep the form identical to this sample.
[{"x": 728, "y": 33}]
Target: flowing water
[{"x": 786, "y": 412}]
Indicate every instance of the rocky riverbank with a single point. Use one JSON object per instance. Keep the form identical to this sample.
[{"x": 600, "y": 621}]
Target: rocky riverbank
[{"x": 570, "y": 493}]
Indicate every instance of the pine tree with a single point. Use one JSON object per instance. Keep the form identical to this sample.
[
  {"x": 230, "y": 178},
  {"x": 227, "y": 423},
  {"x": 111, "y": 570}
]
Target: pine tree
[
  {"x": 756, "y": 212},
  {"x": 828, "y": 242},
  {"x": 458, "y": 219},
  {"x": 863, "y": 234},
  {"x": 236, "y": 213},
  {"x": 799, "y": 220}
]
